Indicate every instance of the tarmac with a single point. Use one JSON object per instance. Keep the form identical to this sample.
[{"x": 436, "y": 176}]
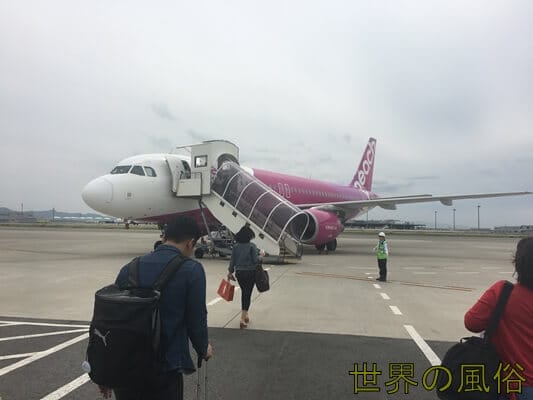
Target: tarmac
[{"x": 324, "y": 321}]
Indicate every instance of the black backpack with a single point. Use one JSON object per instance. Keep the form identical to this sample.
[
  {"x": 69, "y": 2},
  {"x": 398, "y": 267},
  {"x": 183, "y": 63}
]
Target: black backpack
[
  {"x": 474, "y": 351},
  {"x": 125, "y": 333}
]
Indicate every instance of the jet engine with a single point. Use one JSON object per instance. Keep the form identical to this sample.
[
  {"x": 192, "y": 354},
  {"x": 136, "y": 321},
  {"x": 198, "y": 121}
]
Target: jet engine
[{"x": 324, "y": 227}]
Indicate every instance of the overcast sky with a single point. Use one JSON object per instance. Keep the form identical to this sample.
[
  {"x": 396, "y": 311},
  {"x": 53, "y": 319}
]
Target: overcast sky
[{"x": 446, "y": 87}]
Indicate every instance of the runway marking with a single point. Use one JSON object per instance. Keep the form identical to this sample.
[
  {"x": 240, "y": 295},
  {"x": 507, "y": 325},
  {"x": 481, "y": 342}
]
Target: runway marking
[
  {"x": 4, "y": 339},
  {"x": 43, "y": 324},
  {"x": 422, "y": 345},
  {"x": 215, "y": 301},
  {"x": 69, "y": 387},
  {"x": 318, "y": 265},
  {"x": 369, "y": 273},
  {"x": 42, "y": 354},
  {"x": 395, "y": 310},
  {"x": 356, "y": 278},
  {"x": 377, "y": 286},
  {"x": 385, "y": 296},
  {"x": 12, "y": 356},
  {"x": 10, "y": 324}
]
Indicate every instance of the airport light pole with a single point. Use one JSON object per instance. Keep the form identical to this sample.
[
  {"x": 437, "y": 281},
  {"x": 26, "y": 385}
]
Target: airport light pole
[
  {"x": 478, "y": 217},
  {"x": 435, "y": 219},
  {"x": 454, "y": 219}
]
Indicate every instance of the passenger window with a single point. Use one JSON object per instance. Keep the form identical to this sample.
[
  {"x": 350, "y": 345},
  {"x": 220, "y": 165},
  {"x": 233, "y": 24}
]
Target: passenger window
[
  {"x": 121, "y": 169},
  {"x": 150, "y": 171},
  {"x": 137, "y": 170}
]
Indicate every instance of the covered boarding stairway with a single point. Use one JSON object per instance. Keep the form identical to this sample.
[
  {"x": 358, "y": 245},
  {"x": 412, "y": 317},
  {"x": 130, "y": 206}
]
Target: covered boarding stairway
[{"x": 237, "y": 198}]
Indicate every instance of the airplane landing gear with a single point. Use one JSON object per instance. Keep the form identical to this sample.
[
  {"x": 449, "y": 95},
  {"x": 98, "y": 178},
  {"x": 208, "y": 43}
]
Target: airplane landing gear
[
  {"x": 332, "y": 245},
  {"x": 329, "y": 246},
  {"x": 320, "y": 247}
]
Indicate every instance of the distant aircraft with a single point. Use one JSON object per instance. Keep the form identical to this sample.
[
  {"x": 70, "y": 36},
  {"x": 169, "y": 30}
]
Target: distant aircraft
[{"x": 141, "y": 188}]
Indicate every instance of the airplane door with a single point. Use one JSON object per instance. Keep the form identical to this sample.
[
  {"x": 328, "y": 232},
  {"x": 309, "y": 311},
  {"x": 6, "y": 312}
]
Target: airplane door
[{"x": 176, "y": 170}]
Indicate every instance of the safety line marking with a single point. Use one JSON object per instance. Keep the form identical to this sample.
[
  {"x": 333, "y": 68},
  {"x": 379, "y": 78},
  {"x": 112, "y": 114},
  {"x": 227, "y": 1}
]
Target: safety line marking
[
  {"x": 42, "y": 324},
  {"x": 422, "y": 345},
  {"x": 69, "y": 387},
  {"x": 4, "y": 339},
  {"x": 385, "y": 296},
  {"x": 215, "y": 301},
  {"x": 42, "y": 354},
  {"x": 395, "y": 310},
  {"x": 377, "y": 286},
  {"x": 12, "y": 356}
]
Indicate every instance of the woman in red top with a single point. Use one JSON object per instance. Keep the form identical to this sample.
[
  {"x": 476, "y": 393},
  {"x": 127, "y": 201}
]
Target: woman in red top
[{"x": 514, "y": 335}]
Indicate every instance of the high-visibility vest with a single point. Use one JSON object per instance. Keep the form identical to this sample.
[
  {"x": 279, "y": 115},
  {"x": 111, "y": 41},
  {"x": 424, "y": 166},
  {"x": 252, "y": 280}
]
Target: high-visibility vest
[{"x": 382, "y": 255}]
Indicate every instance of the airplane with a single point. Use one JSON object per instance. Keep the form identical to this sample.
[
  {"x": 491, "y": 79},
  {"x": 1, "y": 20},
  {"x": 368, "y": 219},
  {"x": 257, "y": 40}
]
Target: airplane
[{"x": 139, "y": 188}]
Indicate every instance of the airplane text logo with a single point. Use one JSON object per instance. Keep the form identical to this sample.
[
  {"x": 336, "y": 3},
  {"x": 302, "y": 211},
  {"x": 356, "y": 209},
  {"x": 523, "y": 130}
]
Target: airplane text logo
[{"x": 366, "y": 166}]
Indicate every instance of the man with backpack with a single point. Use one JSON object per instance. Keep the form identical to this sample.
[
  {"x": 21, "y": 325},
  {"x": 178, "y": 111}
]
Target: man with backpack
[{"x": 182, "y": 313}]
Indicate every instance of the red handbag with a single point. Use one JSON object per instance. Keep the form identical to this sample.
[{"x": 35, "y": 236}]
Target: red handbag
[{"x": 226, "y": 290}]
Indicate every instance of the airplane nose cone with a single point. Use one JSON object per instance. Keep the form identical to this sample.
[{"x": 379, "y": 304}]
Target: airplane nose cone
[{"x": 98, "y": 194}]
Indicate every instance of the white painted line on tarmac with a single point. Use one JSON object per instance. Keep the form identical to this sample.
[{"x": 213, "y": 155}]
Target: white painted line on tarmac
[
  {"x": 318, "y": 265},
  {"x": 42, "y": 354},
  {"x": 361, "y": 268},
  {"x": 43, "y": 324},
  {"x": 395, "y": 310},
  {"x": 12, "y": 356},
  {"x": 506, "y": 272},
  {"x": 377, "y": 286},
  {"x": 490, "y": 267},
  {"x": 468, "y": 272},
  {"x": 69, "y": 387},
  {"x": 414, "y": 267},
  {"x": 4, "y": 339},
  {"x": 368, "y": 273},
  {"x": 215, "y": 301},
  {"x": 422, "y": 345},
  {"x": 370, "y": 277},
  {"x": 385, "y": 296},
  {"x": 10, "y": 324},
  {"x": 424, "y": 273}
]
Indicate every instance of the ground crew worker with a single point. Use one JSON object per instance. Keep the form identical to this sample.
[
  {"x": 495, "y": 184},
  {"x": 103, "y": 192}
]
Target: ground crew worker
[{"x": 382, "y": 251}]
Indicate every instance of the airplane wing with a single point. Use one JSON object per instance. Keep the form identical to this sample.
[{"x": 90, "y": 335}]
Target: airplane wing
[{"x": 389, "y": 203}]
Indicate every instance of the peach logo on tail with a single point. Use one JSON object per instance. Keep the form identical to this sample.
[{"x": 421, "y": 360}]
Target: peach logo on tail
[{"x": 366, "y": 166}]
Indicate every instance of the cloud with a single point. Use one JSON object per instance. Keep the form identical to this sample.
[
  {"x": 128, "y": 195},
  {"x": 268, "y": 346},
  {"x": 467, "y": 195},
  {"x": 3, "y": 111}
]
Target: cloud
[{"x": 162, "y": 110}]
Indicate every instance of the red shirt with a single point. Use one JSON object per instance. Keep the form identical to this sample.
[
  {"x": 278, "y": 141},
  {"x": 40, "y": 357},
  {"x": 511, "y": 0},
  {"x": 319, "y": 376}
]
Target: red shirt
[{"x": 514, "y": 335}]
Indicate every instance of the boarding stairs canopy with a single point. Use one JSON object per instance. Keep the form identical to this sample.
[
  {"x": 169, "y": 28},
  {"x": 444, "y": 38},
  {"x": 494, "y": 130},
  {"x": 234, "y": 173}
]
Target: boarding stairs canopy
[
  {"x": 247, "y": 200},
  {"x": 236, "y": 198}
]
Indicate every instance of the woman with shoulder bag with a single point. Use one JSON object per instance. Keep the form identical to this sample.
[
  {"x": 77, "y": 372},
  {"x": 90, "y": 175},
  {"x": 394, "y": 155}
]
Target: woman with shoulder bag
[
  {"x": 244, "y": 260},
  {"x": 513, "y": 338}
]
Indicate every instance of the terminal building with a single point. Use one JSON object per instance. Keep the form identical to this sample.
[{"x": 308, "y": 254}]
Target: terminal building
[{"x": 522, "y": 229}]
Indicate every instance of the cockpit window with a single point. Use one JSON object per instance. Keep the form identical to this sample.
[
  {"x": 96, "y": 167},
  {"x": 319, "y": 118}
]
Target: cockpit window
[
  {"x": 137, "y": 170},
  {"x": 121, "y": 169},
  {"x": 150, "y": 171}
]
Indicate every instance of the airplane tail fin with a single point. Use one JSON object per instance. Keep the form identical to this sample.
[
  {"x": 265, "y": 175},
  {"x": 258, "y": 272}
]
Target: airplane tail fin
[{"x": 363, "y": 176}]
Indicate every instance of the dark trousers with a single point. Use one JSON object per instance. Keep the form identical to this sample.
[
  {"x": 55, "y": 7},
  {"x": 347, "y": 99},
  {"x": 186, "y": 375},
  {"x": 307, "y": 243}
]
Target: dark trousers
[
  {"x": 168, "y": 387},
  {"x": 382, "y": 264},
  {"x": 246, "y": 281}
]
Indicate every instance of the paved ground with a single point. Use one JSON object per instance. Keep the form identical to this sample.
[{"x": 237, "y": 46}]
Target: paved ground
[{"x": 323, "y": 314}]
